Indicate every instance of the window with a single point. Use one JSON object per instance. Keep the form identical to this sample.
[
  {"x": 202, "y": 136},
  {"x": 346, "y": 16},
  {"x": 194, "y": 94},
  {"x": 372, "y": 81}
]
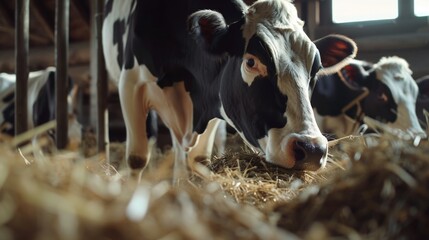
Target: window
[
  {"x": 364, "y": 18},
  {"x": 344, "y": 11},
  {"x": 421, "y": 8}
]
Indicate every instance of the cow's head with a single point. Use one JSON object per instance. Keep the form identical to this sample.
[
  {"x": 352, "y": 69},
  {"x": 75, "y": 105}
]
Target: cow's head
[
  {"x": 392, "y": 92},
  {"x": 268, "y": 78}
]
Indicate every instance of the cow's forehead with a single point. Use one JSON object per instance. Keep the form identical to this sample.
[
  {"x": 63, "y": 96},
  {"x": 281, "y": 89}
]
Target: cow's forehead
[
  {"x": 280, "y": 15},
  {"x": 278, "y": 25},
  {"x": 394, "y": 69}
]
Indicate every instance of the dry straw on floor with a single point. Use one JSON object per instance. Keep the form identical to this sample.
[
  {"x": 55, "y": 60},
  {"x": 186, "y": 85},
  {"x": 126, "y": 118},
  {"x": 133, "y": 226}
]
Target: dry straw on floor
[{"x": 372, "y": 188}]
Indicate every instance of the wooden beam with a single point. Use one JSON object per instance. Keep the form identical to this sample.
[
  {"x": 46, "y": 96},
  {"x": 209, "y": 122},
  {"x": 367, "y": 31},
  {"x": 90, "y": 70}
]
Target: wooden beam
[
  {"x": 82, "y": 7},
  {"x": 22, "y": 13},
  {"x": 40, "y": 18},
  {"x": 5, "y": 18},
  {"x": 43, "y": 57},
  {"x": 61, "y": 62}
]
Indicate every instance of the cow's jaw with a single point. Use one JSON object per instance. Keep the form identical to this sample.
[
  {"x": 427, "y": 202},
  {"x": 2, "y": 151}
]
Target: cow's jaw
[
  {"x": 407, "y": 120},
  {"x": 298, "y": 145}
]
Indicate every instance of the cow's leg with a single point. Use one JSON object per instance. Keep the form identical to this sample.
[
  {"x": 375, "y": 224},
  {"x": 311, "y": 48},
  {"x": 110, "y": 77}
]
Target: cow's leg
[
  {"x": 220, "y": 138},
  {"x": 202, "y": 150},
  {"x": 174, "y": 106},
  {"x": 135, "y": 111},
  {"x": 180, "y": 171}
]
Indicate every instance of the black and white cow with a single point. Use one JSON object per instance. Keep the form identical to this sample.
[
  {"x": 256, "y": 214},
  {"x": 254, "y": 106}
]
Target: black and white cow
[
  {"x": 199, "y": 61},
  {"x": 384, "y": 91},
  {"x": 41, "y": 102}
]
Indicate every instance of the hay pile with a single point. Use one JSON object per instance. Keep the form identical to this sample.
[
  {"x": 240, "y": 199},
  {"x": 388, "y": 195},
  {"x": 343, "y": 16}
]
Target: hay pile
[
  {"x": 384, "y": 195},
  {"x": 372, "y": 188},
  {"x": 65, "y": 196}
]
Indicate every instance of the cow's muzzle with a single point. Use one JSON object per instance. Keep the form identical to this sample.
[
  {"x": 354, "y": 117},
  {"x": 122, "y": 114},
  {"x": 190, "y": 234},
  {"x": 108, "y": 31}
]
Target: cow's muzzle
[{"x": 308, "y": 153}]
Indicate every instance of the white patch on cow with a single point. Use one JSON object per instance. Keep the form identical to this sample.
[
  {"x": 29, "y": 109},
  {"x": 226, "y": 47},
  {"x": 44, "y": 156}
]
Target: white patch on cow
[
  {"x": 278, "y": 15},
  {"x": 135, "y": 104},
  {"x": 395, "y": 73},
  {"x": 203, "y": 146}
]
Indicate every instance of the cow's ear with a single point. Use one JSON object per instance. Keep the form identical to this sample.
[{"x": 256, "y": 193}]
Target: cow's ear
[
  {"x": 207, "y": 26},
  {"x": 211, "y": 32},
  {"x": 335, "y": 52},
  {"x": 354, "y": 75}
]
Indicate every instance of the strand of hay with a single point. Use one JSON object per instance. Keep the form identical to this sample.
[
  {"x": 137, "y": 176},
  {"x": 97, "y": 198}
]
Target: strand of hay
[{"x": 384, "y": 195}]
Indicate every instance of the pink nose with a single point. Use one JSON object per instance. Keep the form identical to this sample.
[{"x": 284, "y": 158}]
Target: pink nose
[{"x": 308, "y": 153}]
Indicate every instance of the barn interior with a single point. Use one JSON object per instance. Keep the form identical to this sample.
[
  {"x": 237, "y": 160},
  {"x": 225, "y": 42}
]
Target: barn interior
[
  {"x": 236, "y": 195},
  {"x": 405, "y": 35}
]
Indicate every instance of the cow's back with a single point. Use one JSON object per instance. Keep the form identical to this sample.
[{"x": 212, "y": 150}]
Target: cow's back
[
  {"x": 116, "y": 15},
  {"x": 155, "y": 34}
]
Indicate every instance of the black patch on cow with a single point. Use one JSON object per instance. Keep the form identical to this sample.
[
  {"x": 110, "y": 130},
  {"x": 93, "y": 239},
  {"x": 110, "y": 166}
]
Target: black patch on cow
[
  {"x": 331, "y": 95},
  {"x": 176, "y": 75},
  {"x": 44, "y": 106},
  {"x": 379, "y": 104},
  {"x": 9, "y": 118},
  {"x": 259, "y": 49},
  {"x": 254, "y": 109},
  {"x": 118, "y": 34},
  {"x": 108, "y": 7},
  {"x": 423, "y": 84},
  {"x": 317, "y": 65},
  {"x": 422, "y": 102},
  {"x": 9, "y": 97}
]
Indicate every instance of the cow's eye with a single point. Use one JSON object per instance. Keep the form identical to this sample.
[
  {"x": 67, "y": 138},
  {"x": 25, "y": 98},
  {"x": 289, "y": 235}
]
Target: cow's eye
[
  {"x": 382, "y": 97},
  {"x": 250, "y": 62},
  {"x": 254, "y": 66}
]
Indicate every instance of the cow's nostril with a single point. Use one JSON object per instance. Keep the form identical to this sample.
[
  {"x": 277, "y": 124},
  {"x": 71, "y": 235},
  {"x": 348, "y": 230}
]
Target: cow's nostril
[
  {"x": 307, "y": 153},
  {"x": 299, "y": 150}
]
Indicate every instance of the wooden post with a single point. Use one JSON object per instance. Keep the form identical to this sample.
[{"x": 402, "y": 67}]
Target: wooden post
[
  {"x": 102, "y": 88},
  {"x": 21, "y": 65},
  {"x": 61, "y": 63}
]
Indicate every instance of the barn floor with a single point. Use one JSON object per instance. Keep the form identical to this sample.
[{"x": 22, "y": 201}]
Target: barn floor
[{"x": 374, "y": 187}]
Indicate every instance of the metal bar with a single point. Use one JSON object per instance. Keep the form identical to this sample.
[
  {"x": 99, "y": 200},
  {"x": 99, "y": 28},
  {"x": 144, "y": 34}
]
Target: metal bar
[
  {"x": 102, "y": 87},
  {"x": 61, "y": 63},
  {"x": 21, "y": 66}
]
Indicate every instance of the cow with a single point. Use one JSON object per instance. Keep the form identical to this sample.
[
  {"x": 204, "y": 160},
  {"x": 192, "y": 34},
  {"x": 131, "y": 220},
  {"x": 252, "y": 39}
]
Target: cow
[
  {"x": 385, "y": 91},
  {"x": 423, "y": 101},
  {"x": 195, "y": 62},
  {"x": 40, "y": 103}
]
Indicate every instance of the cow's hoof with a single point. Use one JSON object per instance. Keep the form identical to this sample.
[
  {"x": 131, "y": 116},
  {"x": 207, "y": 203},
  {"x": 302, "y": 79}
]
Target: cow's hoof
[{"x": 136, "y": 162}]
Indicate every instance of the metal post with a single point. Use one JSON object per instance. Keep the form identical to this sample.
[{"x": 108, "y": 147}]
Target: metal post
[
  {"x": 61, "y": 62},
  {"x": 21, "y": 65},
  {"x": 102, "y": 88}
]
